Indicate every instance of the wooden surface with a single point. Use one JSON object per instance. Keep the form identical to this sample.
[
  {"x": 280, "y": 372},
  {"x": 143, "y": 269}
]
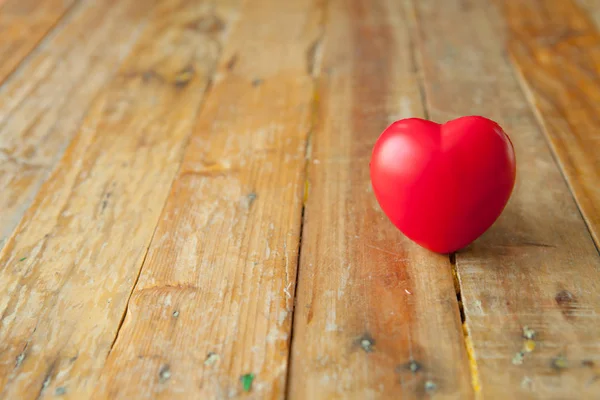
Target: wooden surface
[
  {"x": 186, "y": 209},
  {"x": 72, "y": 262},
  {"x": 223, "y": 260},
  {"x": 537, "y": 267},
  {"x": 591, "y": 8},
  {"x": 43, "y": 103},
  {"x": 559, "y": 61},
  {"x": 376, "y": 315},
  {"x": 23, "y": 24}
]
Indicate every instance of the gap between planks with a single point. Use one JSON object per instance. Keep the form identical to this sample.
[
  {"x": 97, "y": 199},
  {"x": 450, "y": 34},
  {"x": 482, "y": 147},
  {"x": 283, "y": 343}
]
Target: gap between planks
[
  {"x": 174, "y": 81},
  {"x": 417, "y": 60},
  {"x": 207, "y": 91},
  {"x": 313, "y": 68},
  {"x": 196, "y": 171},
  {"x": 42, "y": 111},
  {"x": 376, "y": 310},
  {"x": 529, "y": 269},
  {"x": 468, "y": 342},
  {"x": 557, "y": 64},
  {"x": 61, "y": 19},
  {"x": 528, "y": 94}
]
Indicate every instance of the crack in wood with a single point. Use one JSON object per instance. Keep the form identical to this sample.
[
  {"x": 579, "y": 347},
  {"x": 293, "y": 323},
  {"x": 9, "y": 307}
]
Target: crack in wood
[
  {"x": 312, "y": 67},
  {"x": 475, "y": 380}
]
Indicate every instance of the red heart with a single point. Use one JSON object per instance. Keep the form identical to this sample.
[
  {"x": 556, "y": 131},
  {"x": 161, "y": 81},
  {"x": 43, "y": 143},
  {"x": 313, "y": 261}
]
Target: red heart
[{"x": 443, "y": 185}]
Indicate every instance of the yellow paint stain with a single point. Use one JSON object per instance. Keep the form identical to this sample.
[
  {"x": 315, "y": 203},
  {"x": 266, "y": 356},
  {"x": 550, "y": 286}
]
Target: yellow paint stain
[
  {"x": 184, "y": 77},
  {"x": 315, "y": 105},
  {"x": 455, "y": 279},
  {"x": 305, "y": 198},
  {"x": 529, "y": 346},
  {"x": 475, "y": 380}
]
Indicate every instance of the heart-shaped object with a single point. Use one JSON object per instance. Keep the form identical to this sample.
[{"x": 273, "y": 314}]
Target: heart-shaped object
[{"x": 443, "y": 185}]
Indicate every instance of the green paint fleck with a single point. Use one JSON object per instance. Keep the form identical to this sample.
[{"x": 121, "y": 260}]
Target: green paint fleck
[
  {"x": 430, "y": 386},
  {"x": 23, "y": 259},
  {"x": 559, "y": 362},
  {"x": 247, "y": 381},
  {"x": 518, "y": 358},
  {"x": 528, "y": 333},
  {"x": 414, "y": 366}
]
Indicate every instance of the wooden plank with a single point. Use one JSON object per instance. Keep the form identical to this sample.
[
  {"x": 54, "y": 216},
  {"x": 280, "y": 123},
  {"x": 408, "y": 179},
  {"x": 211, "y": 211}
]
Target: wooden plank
[
  {"x": 376, "y": 315},
  {"x": 43, "y": 103},
  {"x": 592, "y": 7},
  {"x": 535, "y": 274},
  {"x": 214, "y": 300},
  {"x": 68, "y": 271},
  {"x": 556, "y": 49},
  {"x": 23, "y": 24}
]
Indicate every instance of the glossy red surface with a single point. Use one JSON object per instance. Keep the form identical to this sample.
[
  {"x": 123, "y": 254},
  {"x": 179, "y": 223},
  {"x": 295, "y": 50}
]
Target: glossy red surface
[{"x": 443, "y": 185}]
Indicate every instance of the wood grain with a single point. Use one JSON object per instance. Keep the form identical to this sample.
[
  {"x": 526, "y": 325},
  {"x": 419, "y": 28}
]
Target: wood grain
[
  {"x": 556, "y": 48},
  {"x": 376, "y": 315},
  {"x": 68, "y": 271},
  {"x": 530, "y": 285},
  {"x": 214, "y": 300},
  {"x": 43, "y": 104},
  {"x": 592, "y": 8},
  {"x": 23, "y": 24}
]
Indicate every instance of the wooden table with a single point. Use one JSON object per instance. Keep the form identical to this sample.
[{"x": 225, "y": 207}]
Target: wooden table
[{"x": 186, "y": 209}]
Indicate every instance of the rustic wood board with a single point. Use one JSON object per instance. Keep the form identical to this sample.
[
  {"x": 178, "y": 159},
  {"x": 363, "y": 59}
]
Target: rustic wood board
[
  {"x": 376, "y": 315},
  {"x": 43, "y": 104},
  {"x": 556, "y": 49},
  {"x": 23, "y": 24},
  {"x": 536, "y": 272},
  {"x": 592, "y": 7},
  {"x": 68, "y": 271},
  {"x": 214, "y": 300},
  {"x": 131, "y": 266}
]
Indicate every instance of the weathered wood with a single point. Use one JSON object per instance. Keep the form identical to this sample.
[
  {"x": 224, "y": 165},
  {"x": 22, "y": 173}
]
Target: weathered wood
[
  {"x": 23, "y": 24},
  {"x": 214, "y": 300},
  {"x": 43, "y": 103},
  {"x": 556, "y": 49},
  {"x": 376, "y": 315},
  {"x": 592, "y": 7},
  {"x": 531, "y": 284},
  {"x": 68, "y": 271}
]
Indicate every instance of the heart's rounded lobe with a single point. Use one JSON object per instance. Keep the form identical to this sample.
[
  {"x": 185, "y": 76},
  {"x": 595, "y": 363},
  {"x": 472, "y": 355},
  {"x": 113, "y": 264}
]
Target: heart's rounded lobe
[{"x": 443, "y": 185}]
